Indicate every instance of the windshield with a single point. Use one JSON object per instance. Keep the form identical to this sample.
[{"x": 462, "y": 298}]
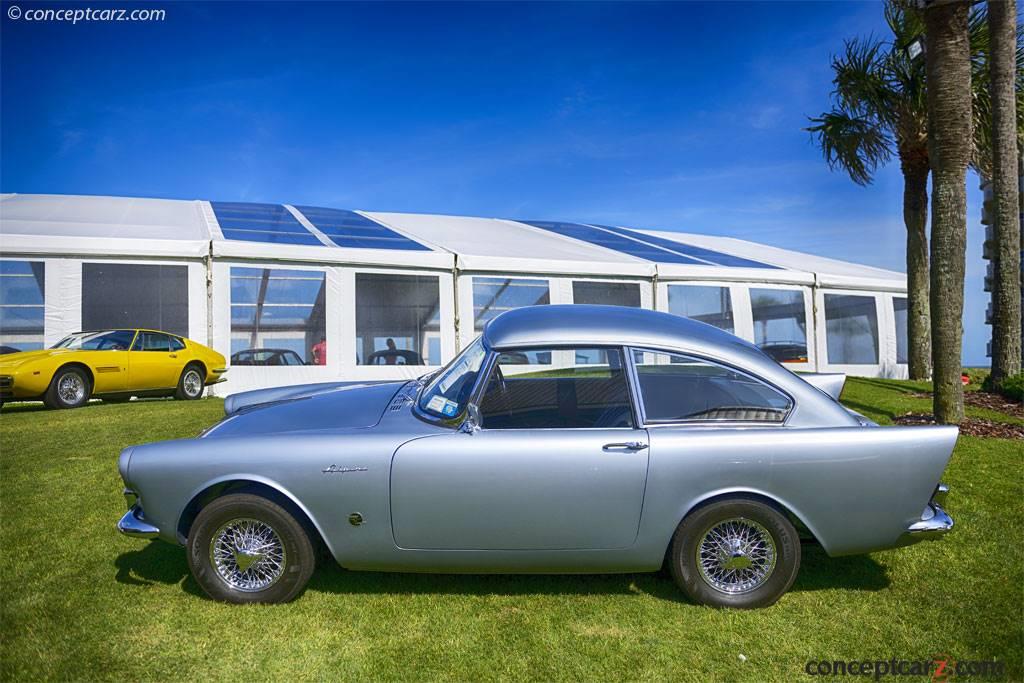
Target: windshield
[
  {"x": 116, "y": 340},
  {"x": 447, "y": 394}
]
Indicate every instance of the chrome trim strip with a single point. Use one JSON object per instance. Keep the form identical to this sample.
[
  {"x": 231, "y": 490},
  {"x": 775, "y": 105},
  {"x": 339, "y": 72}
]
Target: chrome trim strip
[{"x": 133, "y": 524}]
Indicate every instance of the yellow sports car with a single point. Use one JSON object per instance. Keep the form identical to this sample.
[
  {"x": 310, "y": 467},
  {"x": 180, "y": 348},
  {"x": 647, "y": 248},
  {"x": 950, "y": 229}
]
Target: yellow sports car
[{"x": 113, "y": 365}]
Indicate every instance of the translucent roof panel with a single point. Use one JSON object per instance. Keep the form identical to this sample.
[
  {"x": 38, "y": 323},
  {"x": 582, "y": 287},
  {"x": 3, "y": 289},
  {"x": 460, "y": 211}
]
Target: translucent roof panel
[
  {"x": 269, "y": 223},
  {"x": 708, "y": 256},
  {"x": 613, "y": 241},
  {"x": 350, "y": 229}
]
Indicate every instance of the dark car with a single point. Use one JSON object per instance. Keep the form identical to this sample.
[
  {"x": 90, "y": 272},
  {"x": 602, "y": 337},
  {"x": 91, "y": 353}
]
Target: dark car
[
  {"x": 266, "y": 357},
  {"x": 786, "y": 352},
  {"x": 394, "y": 357},
  {"x": 8, "y": 349}
]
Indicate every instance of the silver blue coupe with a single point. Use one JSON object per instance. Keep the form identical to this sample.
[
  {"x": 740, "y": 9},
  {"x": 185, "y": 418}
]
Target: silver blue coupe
[{"x": 566, "y": 439}]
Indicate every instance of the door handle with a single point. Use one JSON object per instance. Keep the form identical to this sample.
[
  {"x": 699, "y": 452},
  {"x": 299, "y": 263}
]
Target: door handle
[
  {"x": 174, "y": 355},
  {"x": 625, "y": 446}
]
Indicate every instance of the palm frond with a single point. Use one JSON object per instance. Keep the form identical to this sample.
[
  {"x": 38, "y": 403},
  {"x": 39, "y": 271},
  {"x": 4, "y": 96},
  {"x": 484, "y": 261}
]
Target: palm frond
[{"x": 855, "y": 144}]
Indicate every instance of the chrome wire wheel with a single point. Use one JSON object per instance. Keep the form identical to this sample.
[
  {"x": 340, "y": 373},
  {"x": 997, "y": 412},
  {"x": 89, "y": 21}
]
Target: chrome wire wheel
[
  {"x": 248, "y": 555},
  {"x": 71, "y": 388},
  {"x": 192, "y": 383},
  {"x": 736, "y": 556}
]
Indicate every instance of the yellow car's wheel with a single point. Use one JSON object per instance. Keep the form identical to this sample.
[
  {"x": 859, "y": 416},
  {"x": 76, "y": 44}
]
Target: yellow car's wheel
[
  {"x": 190, "y": 384},
  {"x": 69, "y": 388}
]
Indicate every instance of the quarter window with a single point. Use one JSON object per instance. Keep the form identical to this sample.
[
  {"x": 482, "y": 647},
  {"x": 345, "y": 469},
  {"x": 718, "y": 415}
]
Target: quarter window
[
  {"x": 524, "y": 393},
  {"x": 152, "y": 341},
  {"x": 679, "y": 388}
]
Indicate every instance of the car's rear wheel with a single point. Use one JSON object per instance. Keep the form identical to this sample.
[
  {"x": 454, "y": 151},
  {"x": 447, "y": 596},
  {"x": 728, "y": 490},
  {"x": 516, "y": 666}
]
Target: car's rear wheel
[
  {"x": 69, "y": 388},
  {"x": 244, "y": 548},
  {"x": 190, "y": 384},
  {"x": 737, "y": 552}
]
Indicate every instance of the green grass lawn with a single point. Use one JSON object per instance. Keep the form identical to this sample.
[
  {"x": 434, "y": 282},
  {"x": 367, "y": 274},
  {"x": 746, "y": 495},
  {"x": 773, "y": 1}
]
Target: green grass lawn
[{"x": 79, "y": 601}]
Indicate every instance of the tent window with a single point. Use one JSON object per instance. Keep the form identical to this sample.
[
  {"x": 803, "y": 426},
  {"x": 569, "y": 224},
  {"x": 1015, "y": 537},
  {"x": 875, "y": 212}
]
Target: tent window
[
  {"x": 780, "y": 323},
  {"x": 22, "y": 299},
  {"x": 608, "y": 293},
  {"x": 398, "y": 318},
  {"x": 899, "y": 309},
  {"x": 280, "y": 310},
  {"x": 494, "y": 295},
  {"x": 126, "y": 295},
  {"x": 711, "y": 305},
  {"x": 851, "y": 329}
]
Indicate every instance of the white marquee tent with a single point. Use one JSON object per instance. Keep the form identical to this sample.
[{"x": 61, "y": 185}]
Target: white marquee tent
[{"x": 362, "y": 295}]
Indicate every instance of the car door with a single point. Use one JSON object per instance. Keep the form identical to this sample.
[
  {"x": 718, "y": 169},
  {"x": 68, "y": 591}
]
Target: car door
[
  {"x": 558, "y": 464},
  {"x": 153, "y": 363}
]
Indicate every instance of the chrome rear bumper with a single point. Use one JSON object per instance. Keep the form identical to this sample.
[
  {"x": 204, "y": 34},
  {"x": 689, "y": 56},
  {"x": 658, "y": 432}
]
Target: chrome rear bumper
[
  {"x": 934, "y": 522},
  {"x": 134, "y": 524}
]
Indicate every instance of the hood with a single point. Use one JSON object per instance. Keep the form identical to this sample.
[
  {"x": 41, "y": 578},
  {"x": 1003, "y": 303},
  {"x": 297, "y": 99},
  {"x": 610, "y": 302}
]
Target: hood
[
  {"x": 13, "y": 360},
  {"x": 345, "y": 405}
]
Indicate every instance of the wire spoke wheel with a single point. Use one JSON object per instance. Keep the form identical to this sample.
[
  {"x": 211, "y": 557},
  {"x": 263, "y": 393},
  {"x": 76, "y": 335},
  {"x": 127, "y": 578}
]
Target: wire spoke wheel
[
  {"x": 71, "y": 388},
  {"x": 736, "y": 556},
  {"x": 248, "y": 555}
]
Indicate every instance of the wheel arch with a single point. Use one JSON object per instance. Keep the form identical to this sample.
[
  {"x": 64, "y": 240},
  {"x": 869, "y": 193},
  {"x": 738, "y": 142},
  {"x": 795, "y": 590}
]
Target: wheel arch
[
  {"x": 786, "y": 508},
  {"x": 202, "y": 367},
  {"x": 90, "y": 375},
  {"x": 252, "y": 485}
]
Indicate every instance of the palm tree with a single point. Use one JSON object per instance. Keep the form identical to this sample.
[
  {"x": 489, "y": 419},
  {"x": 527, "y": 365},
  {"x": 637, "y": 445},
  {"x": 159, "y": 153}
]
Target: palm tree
[
  {"x": 880, "y": 111},
  {"x": 1006, "y": 303},
  {"x": 950, "y": 118}
]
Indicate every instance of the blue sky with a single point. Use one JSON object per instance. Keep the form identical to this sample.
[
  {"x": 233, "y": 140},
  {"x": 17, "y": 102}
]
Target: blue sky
[{"x": 682, "y": 116}]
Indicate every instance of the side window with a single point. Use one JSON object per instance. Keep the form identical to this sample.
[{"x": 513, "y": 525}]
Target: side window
[
  {"x": 678, "y": 388},
  {"x": 177, "y": 344},
  {"x": 557, "y": 389},
  {"x": 152, "y": 341}
]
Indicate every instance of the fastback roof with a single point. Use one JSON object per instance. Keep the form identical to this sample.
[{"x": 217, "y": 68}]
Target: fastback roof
[{"x": 123, "y": 226}]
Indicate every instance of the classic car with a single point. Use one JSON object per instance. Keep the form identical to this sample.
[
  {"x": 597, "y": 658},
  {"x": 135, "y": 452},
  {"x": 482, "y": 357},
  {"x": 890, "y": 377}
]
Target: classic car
[
  {"x": 394, "y": 357},
  {"x": 266, "y": 357},
  {"x": 113, "y": 365},
  {"x": 628, "y": 439}
]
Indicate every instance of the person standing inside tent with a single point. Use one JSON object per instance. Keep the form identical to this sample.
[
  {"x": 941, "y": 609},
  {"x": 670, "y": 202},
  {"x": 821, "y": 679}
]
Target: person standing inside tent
[{"x": 320, "y": 352}]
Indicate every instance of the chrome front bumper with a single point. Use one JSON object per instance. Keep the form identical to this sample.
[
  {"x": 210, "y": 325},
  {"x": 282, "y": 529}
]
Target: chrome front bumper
[{"x": 134, "y": 524}]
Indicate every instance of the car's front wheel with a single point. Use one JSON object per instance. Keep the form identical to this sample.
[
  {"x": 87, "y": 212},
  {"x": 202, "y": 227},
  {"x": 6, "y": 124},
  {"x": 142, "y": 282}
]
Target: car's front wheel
[
  {"x": 69, "y": 388},
  {"x": 244, "y": 548},
  {"x": 737, "y": 552}
]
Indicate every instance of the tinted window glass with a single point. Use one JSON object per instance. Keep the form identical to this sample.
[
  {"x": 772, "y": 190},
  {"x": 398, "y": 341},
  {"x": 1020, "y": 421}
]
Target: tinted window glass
[
  {"x": 711, "y": 305},
  {"x": 607, "y": 293},
  {"x": 134, "y": 295},
  {"x": 899, "y": 305},
  {"x": 177, "y": 344},
  {"x": 396, "y": 317},
  {"x": 116, "y": 340},
  {"x": 851, "y": 329},
  {"x": 678, "y": 388},
  {"x": 152, "y": 341},
  {"x": 560, "y": 394},
  {"x": 22, "y": 295},
  {"x": 780, "y": 323}
]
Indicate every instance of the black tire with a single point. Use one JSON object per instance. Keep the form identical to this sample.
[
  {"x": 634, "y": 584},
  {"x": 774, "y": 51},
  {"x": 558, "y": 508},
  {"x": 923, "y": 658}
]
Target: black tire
[
  {"x": 297, "y": 560},
  {"x": 187, "y": 389},
  {"x": 55, "y": 398},
  {"x": 755, "y": 519}
]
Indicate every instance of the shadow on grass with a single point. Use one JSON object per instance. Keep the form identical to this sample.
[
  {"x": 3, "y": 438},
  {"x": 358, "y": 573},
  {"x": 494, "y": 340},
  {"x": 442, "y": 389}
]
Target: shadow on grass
[
  {"x": 889, "y": 385},
  {"x": 159, "y": 562},
  {"x": 868, "y": 409}
]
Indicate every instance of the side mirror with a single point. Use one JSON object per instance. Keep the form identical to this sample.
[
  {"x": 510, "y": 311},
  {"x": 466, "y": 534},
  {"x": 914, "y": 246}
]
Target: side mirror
[{"x": 472, "y": 422}]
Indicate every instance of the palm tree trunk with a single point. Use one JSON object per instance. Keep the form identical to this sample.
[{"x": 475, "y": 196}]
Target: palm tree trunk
[
  {"x": 915, "y": 217},
  {"x": 1006, "y": 329},
  {"x": 948, "y": 68}
]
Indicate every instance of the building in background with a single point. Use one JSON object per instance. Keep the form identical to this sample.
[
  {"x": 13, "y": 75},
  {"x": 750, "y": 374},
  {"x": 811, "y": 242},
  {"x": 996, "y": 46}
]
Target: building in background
[
  {"x": 989, "y": 246},
  {"x": 392, "y": 296}
]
